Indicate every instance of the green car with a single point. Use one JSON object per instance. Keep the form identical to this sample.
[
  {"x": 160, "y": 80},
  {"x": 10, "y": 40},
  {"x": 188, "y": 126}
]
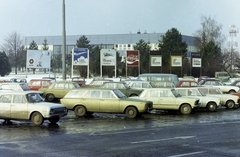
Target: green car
[
  {"x": 86, "y": 101},
  {"x": 123, "y": 87},
  {"x": 58, "y": 90}
]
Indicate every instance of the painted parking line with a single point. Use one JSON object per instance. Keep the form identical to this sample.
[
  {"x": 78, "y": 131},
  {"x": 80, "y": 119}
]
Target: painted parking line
[
  {"x": 164, "y": 139},
  {"x": 187, "y": 154}
]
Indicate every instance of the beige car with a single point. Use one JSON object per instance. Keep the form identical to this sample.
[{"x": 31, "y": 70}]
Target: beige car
[
  {"x": 169, "y": 99},
  {"x": 86, "y": 101},
  {"x": 29, "y": 105}
]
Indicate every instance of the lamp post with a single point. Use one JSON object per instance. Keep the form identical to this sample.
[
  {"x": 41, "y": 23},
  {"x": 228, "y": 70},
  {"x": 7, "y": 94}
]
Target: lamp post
[{"x": 63, "y": 42}]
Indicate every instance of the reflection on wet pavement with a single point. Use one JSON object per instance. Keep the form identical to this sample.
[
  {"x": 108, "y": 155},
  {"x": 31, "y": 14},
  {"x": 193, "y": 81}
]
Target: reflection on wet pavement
[{"x": 102, "y": 122}]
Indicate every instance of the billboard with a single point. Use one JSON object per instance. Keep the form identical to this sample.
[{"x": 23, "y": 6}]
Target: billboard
[
  {"x": 196, "y": 59},
  {"x": 155, "y": 60},
  {"x": 80, "y": 56},
  {"x": 176, "y": 61},
  {"x": 108, "y": 57},
  {"x": 196, "y": 62},
  {"x": 38, "y": 59},
  {"x": 132, "y": 58}
]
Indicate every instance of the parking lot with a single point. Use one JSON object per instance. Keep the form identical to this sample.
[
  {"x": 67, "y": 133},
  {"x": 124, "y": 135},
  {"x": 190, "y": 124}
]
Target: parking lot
[{"x": 157, "y": 134}]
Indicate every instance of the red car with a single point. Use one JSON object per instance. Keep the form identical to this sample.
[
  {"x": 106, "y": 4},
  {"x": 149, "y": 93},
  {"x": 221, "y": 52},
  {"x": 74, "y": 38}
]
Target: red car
[{"x": 187, "y": 83}]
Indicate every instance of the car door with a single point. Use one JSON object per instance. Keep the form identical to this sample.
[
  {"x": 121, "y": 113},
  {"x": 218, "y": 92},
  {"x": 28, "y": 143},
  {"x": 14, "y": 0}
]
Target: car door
[
  {"x": 108, "y": 102},
  {"x": 5, "y": 106},
  {"x": 19, "y": 107},
  {"x": 91, "y": 100},
  {"x": 167, "y": 100}
]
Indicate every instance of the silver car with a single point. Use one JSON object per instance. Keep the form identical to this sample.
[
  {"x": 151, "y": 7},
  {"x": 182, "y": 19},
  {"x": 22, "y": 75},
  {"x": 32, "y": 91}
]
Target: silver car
[{"x": 29, "y": 105}]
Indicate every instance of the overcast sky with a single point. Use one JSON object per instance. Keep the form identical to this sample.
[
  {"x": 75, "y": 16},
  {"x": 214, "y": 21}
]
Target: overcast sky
[{"x": 89, "y": 17}]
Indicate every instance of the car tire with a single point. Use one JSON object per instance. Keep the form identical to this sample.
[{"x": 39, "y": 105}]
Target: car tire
[
  {"x": 80, "y": 111},
  {"x": 231, "y": 91},
  {"x": 50, "y": 97},
  {"x": 37, "y": 118},
  {"x": 230, "y": 104},
  {"x": 212, "y": 107},
  {"x": 131, "y": 112},
  {"x": 133, "y": 95},
  {"x": 54, "y": 120},
  {"x": 185, "y": 109}
]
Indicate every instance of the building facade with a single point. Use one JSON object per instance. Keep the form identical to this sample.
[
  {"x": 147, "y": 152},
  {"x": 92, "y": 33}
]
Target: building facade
[{"x": 119, "y": 42}]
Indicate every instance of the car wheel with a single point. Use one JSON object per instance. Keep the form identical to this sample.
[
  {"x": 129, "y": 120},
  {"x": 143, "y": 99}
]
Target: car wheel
[
  {"x": 212, "y": 106},
  {"x": 54, "y": 120},
  {"x": 131, "y": 112},
  {"x": 50, "y": 97},
  {"x": 230, "y": 104},
  {"x": 80, "y": 111},
  {"x": 37, "y": 118},
  {"x": 231, "y": 91},
  {"x": 185, "y": 109},
  {"x": 132, "y": 95}
]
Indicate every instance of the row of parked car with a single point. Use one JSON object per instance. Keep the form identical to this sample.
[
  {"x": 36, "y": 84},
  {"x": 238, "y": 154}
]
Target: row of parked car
[{"x": 103, "y": 95}]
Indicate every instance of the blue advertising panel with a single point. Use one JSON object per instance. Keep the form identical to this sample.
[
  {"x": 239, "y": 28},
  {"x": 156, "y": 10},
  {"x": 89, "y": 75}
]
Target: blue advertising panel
[{"x": 80, "y": 56}]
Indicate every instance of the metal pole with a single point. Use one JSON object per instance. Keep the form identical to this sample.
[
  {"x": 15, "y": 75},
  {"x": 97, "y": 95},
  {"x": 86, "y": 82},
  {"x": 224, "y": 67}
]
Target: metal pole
[{"x": 63, "y": 42}]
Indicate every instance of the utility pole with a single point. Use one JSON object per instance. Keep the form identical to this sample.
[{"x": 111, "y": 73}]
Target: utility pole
[{"x": 63, "y": 42}]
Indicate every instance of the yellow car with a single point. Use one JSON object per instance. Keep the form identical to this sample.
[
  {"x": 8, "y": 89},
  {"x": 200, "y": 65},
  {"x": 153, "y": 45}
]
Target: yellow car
[{"x": 86, "y": 101}]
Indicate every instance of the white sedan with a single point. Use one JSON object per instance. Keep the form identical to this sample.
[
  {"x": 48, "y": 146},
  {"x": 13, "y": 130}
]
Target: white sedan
[
  {"x": 209, "y": 102},
  {"x": 29, "y": 105},
  {"x": 169, "y": 99},
  {"x": 227, "y": 100}
]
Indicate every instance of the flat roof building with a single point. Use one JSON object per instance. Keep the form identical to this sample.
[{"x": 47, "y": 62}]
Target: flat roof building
[{"x": 119, "y": 42}]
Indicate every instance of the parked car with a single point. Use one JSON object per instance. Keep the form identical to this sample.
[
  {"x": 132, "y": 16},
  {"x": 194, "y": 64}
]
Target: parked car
[
  {"x": 235, "y": 83},
  {"x": 163, "y": 84},
  {"x": 228, "y": 100},
  {"x": 123, "y": 87},
  {"x": 217, "y": 83},
  {"x": 97, "y": 82},
  {"x": 186, "y": 83},
  {"x": 188, "y": 78},
  {"x": 169, "y": 99},
  {"x": 209, "y": 102},
  {"x": 29, "y": 105},
  {"x": 202, "y": 77},
  {"x": 86, "y": 101},
  {"x": 80, "y": 80},
  {"x": 16, "y": 86},
  {"x": 140, "y": 84},
  {"x": 58, "y": 90},
  {"x": 35, "y": 84}
]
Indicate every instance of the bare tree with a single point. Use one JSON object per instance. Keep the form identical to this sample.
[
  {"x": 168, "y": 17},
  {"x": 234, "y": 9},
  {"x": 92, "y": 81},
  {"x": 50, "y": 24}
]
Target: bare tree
[
  {"x": 13, "y": 46},
  {"x": 210, "y": 31}
]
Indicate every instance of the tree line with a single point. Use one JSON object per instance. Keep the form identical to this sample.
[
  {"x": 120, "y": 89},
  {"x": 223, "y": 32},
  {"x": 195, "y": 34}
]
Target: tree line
[{"x": 208, "y": 41}]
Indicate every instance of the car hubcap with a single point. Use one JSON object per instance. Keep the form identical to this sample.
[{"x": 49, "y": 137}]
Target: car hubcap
[{"x": 131, "y": 112}]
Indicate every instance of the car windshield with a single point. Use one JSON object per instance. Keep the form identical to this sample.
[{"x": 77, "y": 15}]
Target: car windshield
[
  {"x": 175, "y": 93},
  {"x": 201, "y": 92},
  {"x": 76, "y": 85},
  {"x": 34, "y": 97},
  {"x": 119, "y": 94},
  {"x": 25, "y": 87}
]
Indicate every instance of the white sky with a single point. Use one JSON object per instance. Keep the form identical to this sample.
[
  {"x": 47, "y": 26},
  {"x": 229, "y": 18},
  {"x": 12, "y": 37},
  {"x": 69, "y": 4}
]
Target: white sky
[{"x": 87, "y": 17}]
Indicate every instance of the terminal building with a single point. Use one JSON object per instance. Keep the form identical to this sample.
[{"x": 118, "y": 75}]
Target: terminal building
[{"x": 119, "y": 42}]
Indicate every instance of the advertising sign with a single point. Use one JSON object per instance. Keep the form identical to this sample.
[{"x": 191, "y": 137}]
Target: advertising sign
[
  {"x": 80, "y": 56},
  {"x": 196, "y": 62},
  {"x": 108, "y": 57},
  {"x": 132, "y": 58},
  {"x": 155, "y": 60},
  {"x": 196, "y": 59},
  {"x": 176, "y": 61},
  {"x": 38, "y": 59}
]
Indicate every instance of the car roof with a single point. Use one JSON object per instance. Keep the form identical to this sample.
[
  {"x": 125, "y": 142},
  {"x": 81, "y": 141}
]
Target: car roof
[{"x": 2, "y": 92}]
